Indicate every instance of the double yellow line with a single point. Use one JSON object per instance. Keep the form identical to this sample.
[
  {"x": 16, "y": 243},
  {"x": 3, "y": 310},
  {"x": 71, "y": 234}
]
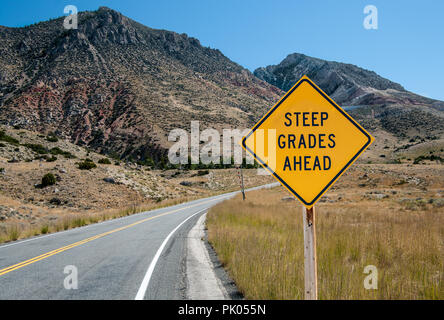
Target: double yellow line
[{"x": 78, "y": 243}]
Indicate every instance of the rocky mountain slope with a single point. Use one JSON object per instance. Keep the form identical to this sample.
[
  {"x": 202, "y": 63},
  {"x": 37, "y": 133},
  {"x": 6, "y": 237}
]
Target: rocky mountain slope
[
  {"x": 119, "y": 87},
  {"x": 404, "y": 124},
  {"x": 347, "y": 84}
]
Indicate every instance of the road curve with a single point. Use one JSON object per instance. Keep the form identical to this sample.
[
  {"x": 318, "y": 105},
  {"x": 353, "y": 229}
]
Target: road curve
[{"x": 142, "y": 256}]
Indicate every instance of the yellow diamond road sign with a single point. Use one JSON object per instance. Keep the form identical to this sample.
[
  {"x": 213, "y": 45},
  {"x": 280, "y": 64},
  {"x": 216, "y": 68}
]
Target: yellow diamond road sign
[{"x": 306, "y": 141}]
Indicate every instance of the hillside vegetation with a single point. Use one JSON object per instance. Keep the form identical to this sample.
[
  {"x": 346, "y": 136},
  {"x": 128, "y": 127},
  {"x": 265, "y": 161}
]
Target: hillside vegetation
[{"x": 48, "y": 184}]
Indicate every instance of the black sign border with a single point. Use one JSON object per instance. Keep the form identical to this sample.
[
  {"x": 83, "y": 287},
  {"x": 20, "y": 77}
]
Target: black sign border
[{"x": 337, "y": 108}]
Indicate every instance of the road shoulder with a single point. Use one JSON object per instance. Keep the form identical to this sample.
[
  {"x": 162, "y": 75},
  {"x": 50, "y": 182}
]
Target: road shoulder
[{"x": 205, "y": 277}]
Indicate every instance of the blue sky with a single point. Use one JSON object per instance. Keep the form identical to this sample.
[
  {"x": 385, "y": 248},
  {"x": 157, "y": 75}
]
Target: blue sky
[{"x": 408, "y": 46}]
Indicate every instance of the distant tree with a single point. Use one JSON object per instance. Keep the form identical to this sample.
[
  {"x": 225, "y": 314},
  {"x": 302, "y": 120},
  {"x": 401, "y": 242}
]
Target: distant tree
[
  {"x": 48, "y": 180},
  {"x": 104, "y": 161}
]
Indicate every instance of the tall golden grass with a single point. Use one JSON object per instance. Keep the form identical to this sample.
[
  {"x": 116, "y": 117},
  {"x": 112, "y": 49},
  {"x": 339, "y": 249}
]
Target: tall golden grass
[
  {"x": 12, "y": 231},
  {"x": 260, "y": 242}
]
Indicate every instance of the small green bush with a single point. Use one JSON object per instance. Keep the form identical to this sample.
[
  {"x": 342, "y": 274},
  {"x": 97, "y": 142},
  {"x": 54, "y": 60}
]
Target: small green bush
[
  {"x": 58, "y": 151},
  {"x": 87, "y": 165},
  {"x": 202, "y": 172},
  {"x": 44, "y": 229},
  {"x": 419, "y": 159},
  {"x": 38, "y": 148},
  {"x": 48, "y": 180},
  {"x": 51, "y": 138},
  {"x": 51, "y": 159},
  {"x": 104, "y": 161},
  {"x": 6, "y": 138}
]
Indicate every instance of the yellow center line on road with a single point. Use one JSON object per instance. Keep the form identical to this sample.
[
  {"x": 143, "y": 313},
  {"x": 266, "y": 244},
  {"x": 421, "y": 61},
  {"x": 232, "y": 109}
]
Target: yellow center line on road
[{"x": 78, "y": 243}]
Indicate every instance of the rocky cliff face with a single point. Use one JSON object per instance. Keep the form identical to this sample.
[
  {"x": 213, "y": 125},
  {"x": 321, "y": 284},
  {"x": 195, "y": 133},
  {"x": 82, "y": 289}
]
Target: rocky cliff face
[
  {"x": 347, "y": 84},
  {"x": 118, "y": 86}
]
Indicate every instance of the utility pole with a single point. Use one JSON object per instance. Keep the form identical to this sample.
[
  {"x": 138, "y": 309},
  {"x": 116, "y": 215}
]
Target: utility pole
[{"x": 241, "y": 180}]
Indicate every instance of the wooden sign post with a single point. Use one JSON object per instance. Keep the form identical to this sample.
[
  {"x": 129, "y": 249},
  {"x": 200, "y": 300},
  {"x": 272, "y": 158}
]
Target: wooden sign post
[{"x": 311, "y": 270}]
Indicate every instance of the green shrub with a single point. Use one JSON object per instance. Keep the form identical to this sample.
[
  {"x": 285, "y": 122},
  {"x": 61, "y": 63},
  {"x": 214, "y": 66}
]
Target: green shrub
[
  {"x": 38, "y": 148},
  {"x": 87, "y": 165},
  {"x": 58, "y": 151},
  {"x": 51, "y": 159},
  {"x": 48, "y": 180},
  {"x": 44, "y": 229},
  {"x": 52, "y": 138},
  {"x": 104, "y": 161},
  {"x": 202, "y": 172},
  {"x": 6, "y": 138},
  {"x": 419, "y": 159}
]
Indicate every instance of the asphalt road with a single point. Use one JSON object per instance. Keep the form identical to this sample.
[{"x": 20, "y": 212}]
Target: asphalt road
[{"x": 136, "y": 257}]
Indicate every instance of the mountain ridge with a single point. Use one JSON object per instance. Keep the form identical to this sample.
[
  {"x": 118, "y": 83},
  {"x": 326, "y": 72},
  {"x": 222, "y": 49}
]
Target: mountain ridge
[
  {"x": 346, "y": 83},
  {"x": 405, "y": 125},
  {"x": 120, "y": 87}
]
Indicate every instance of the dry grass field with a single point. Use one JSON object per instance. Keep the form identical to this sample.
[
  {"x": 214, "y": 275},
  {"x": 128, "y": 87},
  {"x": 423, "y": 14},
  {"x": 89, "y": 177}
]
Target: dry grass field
[
  {"x": 389, "y": 216},
  {"x": 80, "y": 197},
  {"x": 32, "y": 218}
]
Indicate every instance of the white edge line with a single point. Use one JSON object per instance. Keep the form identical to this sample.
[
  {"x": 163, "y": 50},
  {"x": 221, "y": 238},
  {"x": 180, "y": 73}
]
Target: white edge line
[{"x": 146, "y": 280}]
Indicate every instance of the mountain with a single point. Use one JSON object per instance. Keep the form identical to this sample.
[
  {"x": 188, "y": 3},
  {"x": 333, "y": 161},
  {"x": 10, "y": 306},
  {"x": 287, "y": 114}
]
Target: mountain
[
  {"x": 119, "y": 87},
  {"x": 347, "y": 84},
  {"x": 405, "y": 125}
]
